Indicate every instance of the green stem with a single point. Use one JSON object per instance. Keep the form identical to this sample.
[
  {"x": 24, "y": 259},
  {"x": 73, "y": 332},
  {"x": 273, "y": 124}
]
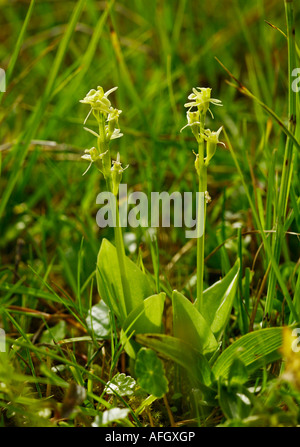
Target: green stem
[
  {"x": 103, "y": 146},
  {"x": 200, "y": 240},
  {"x": 126, "y": 304}
]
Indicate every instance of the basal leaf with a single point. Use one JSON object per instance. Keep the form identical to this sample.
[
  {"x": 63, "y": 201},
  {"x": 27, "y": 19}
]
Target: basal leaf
[
  {"x": 254, "y": 350},
  {"x": 190, "y": 326},
  {"x": 145, "y": 318},
  {"x": 109, "y": 281},
  {"x": 179, "y": 351},
  {"x": 238, "y": 373},
  {"x": 218, "y": 301}
]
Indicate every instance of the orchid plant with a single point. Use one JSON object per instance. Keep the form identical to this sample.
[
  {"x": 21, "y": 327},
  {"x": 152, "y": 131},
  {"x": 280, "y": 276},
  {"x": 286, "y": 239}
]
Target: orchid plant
[
  {"x": 123, "y": 287},
  {"x": 207, "y": 143},
  {"x": 107, "y": 118},
  {"x": 198, "y": 327}
]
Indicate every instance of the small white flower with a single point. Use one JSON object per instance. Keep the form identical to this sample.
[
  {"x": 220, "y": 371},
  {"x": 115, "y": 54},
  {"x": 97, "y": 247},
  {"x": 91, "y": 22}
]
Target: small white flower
[
  {"x": 92, "y": 156},
  {"x": 117, "y": 165},
  {"x": 112, "y": 129},
  {"x": 212, "y": 139},
  {"x": 116, "y": 174},
  {"x": 116, "y": 134},
  {"x": 202, "y": 99},
  {"x": 192, "y": 118},
  {"x": 98, "y": 100},
  {"x": 114, "y": 115}
]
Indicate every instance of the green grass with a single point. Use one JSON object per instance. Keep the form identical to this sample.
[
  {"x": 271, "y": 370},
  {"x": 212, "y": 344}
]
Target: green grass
[{"x": 155, "y": 52}]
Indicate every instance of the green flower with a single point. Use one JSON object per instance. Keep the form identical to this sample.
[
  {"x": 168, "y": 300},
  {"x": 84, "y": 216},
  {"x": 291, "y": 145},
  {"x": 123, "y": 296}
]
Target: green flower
[
  {"x": 93, "y": 156},
  {"x": 110, "y": 134},
  {"x": 116, "y": 174},
  {"x": 193, "y": 119},
  {"x": 98, "y": 100},
  {"x": 115, "y": 134},
  {"x": 114, "y": 115},
  {"x": 202, "y": 99},
  {"x": 212, "y": 139}
]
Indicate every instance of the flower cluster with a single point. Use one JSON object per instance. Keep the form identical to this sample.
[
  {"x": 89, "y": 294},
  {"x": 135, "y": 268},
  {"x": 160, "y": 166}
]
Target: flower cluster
[
  {"x": 108, "y": 122},
  {"x": 98, "y": 100},
  {"x": 201, "y": 99}
]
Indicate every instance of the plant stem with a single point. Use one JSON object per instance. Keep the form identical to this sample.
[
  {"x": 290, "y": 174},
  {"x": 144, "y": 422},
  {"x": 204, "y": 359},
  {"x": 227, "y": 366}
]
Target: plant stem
[
  {"x": 170, "y": 414},
  {"x": 122, "y": 266},
  {"x": 201, "y": 215},
  {"x": 126, "y": 304}
]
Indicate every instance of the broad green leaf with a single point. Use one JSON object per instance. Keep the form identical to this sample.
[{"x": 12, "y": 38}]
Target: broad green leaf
[
  {"x": 122, "y": 384},
  {"x": 180, "y": 352},
  {"x": 204, "y": 373},
  {"x": 55, "y": 333},
  {"x": 238, "y": 373},
  {"x": 98, "y": 320},
  {"x": 150, "y": 373},
  {"x": 190, "y": 326},
  {"x": 218, "y": 301},
  {"x": 145, "y": 318},
  {"x": 254, "y": 350},
  {"x": 110, "y": 285}
]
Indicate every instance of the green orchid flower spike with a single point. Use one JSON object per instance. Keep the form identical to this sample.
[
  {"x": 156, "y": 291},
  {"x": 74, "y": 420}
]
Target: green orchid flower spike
[
  {"x": 207, "y": 140},
  {"x": 98, "y": 100},
  {"x": 107, "y": 118},
  {"x": 109, "y": 129}
]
